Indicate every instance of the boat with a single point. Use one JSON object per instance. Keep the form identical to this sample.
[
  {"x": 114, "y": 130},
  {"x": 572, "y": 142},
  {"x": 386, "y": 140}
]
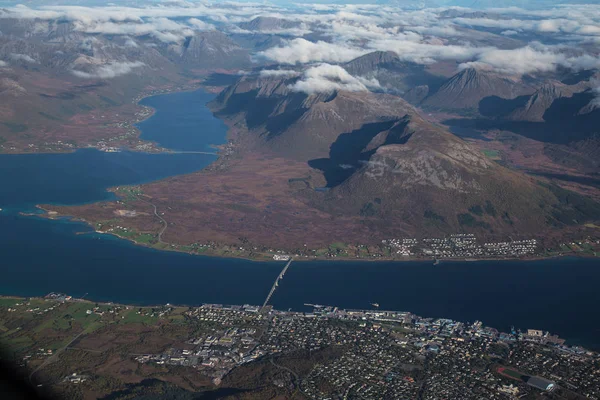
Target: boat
[{"x": 376, "y": 305}]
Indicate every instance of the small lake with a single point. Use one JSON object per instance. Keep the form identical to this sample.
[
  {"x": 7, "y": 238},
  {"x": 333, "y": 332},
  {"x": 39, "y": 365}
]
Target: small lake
[{"x": 40, "y": 256}]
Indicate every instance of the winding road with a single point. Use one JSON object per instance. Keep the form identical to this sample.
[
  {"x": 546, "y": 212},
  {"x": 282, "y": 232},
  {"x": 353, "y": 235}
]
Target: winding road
[
  {"x": 297, "y": 382},
  {"x": 162, "y": 220}
]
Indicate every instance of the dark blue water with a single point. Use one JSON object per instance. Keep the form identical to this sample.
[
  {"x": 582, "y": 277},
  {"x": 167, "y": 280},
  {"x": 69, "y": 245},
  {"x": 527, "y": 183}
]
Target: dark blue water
[
  {"x": 84, "y": 176},
  {"x": 41, "y": 256},
  {"x": 184, "y": 110},
  {"x": 38, "y": 256},
  {"x": 559, "y": 295}
]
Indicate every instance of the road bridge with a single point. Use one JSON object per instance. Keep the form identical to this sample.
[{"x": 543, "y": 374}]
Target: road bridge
[{"x": 279, "y": 277}]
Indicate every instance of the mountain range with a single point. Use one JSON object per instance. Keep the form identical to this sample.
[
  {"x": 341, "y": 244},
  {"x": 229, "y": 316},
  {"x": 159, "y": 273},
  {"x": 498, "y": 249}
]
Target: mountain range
[{"x": 386, "y": 164}]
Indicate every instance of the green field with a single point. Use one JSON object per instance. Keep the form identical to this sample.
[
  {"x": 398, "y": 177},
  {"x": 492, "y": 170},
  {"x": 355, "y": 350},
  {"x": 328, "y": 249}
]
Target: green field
[
  {"x": 8, "y": 302},
  {"x": 132, "y": 317},
  {"x": 493, "y": 154}
]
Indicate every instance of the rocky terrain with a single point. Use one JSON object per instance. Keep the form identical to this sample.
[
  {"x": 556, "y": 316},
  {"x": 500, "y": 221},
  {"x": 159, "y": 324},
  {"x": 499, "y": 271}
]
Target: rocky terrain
[
  {"x": 466, "y": 89},
  {"x": 389, "y": 164}
]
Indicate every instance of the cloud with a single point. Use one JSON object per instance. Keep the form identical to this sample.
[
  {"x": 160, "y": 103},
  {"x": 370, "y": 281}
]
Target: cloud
[
  {"x": 595, "y": 103},
  {"x": 111, "y": 70},
  {"x": 326, "y": 78},
  {"x": 530, "y": 59},
  {"x": 425, "y": 53},
  {"x": 518, "y": 61},
  {"x": 579, "y": 26},
  {"x": 585, "y": 61},
  {"x": 163, "y": 29},
  {"x": 200, "y": 25},
  {"x": 347, "y": 31},
  {"x": 302, "y": 51},
  {"x": 283, "y": 31},
  {"x": 88, "y": 44},
  {"x": 218, "y": 12},
  {"x": 278, "y": 72},
  {"x": 22, "y": 57},
  {"x": 130, "y": 43}
]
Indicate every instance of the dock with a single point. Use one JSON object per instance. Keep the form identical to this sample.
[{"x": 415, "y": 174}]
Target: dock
[{"x": 279, "y": 277}]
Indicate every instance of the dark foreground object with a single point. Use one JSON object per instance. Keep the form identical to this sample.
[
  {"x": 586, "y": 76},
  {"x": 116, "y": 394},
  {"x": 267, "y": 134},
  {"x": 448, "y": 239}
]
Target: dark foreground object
[{"x": 15, "y": 385}]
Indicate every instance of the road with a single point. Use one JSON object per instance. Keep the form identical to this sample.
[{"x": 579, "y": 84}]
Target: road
[
  {"x": 297, "y": 381},
  {"x": 193, "y": 152},
  {"x": 162, "y": 220},
  {"x": 54, "y": 357}
]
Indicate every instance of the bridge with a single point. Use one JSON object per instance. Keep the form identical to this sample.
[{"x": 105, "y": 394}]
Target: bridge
[{"x": 283, "y": 271}]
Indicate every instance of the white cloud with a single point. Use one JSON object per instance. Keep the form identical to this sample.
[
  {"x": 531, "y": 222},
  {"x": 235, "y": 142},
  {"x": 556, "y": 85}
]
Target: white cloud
[
  {"x": 596, "y": 101},
  {"x": 530, "y": 59},
  {"x": 200, "y": 25},
  {"x": 302, "y": 51},
  {"x": 278, "y": 72},
  {"x": 130, "y": 43},
  {"x": 582, "y": 26},
  {"x": 326, "y": 78},
  {"x": 351, "y": 30},
  {"x": 585, "y": 61},
  {"x": 111, "y": 70},
  {"x": 518, "y": 61},
  {"x": 163, "y": 29},
  {"x": 22, "y": 57},
  {"x": 425, "y": 53}
]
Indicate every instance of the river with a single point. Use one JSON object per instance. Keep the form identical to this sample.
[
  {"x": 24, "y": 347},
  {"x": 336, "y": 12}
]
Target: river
[{"x": 40, "y": 256}]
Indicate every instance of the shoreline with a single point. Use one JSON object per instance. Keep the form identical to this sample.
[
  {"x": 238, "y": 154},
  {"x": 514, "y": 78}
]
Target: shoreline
[
  {"x": 55, "y": 216},
  {"x": 269, "y": 309},
  {"x": 261, "y": 256},
  {"x": 155, "y": 149}
]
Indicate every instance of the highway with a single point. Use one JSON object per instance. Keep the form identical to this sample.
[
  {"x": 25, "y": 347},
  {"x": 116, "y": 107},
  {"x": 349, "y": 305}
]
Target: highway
[{"x": 283, "y": 271}]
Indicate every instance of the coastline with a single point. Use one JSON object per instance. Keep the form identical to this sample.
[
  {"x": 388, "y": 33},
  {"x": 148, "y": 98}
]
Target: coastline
[
  {"x": 372, "y": 313},
  {"x": 53, "y": 215},
  {"x": 250, "y": 255},
  {"x": 152, "y": 147}
]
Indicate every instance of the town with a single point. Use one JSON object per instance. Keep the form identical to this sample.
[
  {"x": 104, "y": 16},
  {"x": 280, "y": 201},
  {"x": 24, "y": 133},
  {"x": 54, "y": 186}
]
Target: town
[
  {"x": 338, "y": 353},
  {"x": 389, "y": 354},
  {"x": 461, "y": 245}
]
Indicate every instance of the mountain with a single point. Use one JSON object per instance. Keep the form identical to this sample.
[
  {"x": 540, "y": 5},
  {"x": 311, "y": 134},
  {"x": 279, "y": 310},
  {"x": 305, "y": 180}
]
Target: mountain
[
  {"x": 298, "y": 125},
  {"x": 539, "y": 102},
  {"x": 393, "y": 74},
  {"x": 467, "y": 88},
  {"x": 378, "y": 59},
  {"x": 212, "y": 49},
  {"x": 54, "y": 70},
  {"x": 383, "y": 162},
  {"x": 458, "y": 13},
  {"x": 268, "y": 24}
]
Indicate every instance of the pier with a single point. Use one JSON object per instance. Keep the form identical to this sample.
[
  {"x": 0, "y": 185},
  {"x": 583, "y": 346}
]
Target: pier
[{"x": 279, "y": 277}]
